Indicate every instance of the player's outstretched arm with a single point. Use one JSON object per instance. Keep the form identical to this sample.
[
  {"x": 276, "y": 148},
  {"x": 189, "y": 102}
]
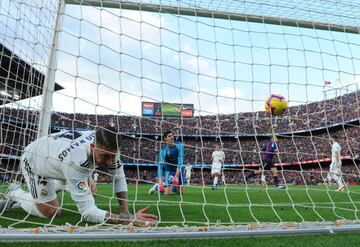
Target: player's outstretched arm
[
  {"x": 180, "y": 163},
  {"x": 176, "y": 178},
  {"x": 123, "y": 201},
  {"x": 92, "y": 186}
]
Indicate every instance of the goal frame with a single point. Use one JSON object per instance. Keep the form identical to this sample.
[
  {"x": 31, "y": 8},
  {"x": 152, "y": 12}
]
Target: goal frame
[{"x": 166, "y": 233}]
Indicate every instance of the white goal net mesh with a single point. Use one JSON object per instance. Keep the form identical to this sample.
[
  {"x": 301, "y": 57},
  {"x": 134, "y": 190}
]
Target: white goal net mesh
[{"x": 202, "y": 69}]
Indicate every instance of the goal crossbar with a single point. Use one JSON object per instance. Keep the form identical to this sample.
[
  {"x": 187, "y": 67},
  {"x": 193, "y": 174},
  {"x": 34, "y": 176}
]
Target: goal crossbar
[{"x": 198, "y": 12}]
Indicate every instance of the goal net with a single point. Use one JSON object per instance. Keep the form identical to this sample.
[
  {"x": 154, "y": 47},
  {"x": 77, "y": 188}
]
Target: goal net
[{"x": 202, "y": 69}]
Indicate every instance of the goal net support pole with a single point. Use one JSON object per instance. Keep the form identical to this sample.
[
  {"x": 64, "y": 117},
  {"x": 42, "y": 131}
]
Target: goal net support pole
[{"x": 49, "y": 84}]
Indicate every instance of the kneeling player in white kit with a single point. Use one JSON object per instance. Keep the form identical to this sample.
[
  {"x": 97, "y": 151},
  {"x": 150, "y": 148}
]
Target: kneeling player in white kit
[
  {"x": 218, "y": 157},
  {"x": 70, "y": 157},
  {"x": 335, "y": 166}
]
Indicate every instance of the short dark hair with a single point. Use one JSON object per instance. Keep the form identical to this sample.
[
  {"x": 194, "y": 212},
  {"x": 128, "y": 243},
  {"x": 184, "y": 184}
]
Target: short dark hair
[
  {"x": 165, "y": 134},
  {"x": 335, "y": 137},
  {"x": 107, "y": 137}
]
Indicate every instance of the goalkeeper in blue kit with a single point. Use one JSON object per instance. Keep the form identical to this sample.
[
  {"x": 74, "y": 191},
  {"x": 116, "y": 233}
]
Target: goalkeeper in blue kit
[{"x": 171, "y": 158}]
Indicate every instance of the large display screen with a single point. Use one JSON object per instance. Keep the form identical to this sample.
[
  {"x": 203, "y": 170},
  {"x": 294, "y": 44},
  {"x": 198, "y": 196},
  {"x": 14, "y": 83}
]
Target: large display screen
[{"x": 159, "y": 109}]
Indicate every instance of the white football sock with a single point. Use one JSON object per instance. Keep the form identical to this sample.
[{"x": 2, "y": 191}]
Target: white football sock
[
  {"x": 338, "y": 180},
  {"x": 215, "y": 180}
]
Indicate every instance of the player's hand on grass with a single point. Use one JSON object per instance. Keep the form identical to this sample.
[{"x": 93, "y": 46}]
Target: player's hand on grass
[{"x": 143, "y": 219}]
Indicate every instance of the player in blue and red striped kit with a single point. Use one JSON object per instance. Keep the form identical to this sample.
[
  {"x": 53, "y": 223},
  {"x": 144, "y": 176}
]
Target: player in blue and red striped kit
[{"x": 268, "y": 152}]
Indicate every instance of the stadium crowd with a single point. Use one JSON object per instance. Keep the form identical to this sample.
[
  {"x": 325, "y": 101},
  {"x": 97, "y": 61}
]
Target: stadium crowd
[
  {"x": 320, "y": 114},
  {"x": 241, "y": 135},
  {"x": 246, "y": 151}
]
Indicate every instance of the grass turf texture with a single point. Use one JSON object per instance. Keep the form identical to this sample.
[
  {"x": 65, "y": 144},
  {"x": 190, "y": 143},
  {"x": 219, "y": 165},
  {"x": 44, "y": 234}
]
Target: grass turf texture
[
  {"x": 201, "y": 205},
  {"x": 333, "y": 240}
]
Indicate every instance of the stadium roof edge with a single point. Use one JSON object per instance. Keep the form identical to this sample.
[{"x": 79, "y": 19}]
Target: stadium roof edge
[{"x": 18, "y": 79}]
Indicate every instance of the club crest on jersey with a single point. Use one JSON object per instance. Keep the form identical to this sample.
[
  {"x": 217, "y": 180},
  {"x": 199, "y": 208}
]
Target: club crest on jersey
[
  {"x": 82, "y": 185},
  {"x": 44, "y": 192}
]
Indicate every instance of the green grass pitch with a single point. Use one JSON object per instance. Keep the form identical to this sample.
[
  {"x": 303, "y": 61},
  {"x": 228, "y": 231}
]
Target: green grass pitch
[{"x": 201, "y": 206}]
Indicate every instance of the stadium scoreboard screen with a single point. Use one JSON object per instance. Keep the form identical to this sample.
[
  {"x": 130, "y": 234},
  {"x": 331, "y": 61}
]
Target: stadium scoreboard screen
[{"x": 159, "y": 109}]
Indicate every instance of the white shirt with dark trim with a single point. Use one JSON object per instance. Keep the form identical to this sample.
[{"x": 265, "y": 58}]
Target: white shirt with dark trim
[
  {"x": 66, "y": 156},
  {"x": 188, "y": 169},
  {"x": 334, "y": 150},
  {"x": 218, "y": 156}
]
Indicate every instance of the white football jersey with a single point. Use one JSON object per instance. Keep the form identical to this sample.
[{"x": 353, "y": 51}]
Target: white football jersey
[
  {"x": 334, "y": 149},
  {"x": 188, "y": 171},
  {"x": 52, "y": 155},
  {"x": 218, "y": 156},
  {"x": 65, "y": 156}
]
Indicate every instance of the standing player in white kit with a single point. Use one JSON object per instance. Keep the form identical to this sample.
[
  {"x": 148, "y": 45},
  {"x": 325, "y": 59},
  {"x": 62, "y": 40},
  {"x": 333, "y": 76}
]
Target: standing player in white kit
[
  {"x": 96, "y": 177},
  {"x": 335, "y": 166},
  {"x": 218, "y": 157}
]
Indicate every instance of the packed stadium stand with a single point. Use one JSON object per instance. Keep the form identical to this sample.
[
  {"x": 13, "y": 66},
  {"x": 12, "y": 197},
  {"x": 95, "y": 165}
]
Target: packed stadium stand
[{"x": 303, "y": 133}]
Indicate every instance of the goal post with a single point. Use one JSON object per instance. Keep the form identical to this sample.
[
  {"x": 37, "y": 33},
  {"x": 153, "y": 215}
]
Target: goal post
[
  {"x": 204, "y": 70},
  {"x": 49, "y": 85}
]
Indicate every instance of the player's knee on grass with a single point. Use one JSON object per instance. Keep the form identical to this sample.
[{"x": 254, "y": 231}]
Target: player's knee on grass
[
  {"x": 174, "y": 189},
  {"x": 177, "y": 189},
  {"x": 49, "y": 210},
  {"x": 168, "y": 190}
]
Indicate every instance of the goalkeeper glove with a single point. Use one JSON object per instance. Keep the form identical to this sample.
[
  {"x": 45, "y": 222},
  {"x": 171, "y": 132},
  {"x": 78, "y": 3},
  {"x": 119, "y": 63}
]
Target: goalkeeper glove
[
  {"x": 176, "y": 181},
  {"x": 161, "y": 188}
]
